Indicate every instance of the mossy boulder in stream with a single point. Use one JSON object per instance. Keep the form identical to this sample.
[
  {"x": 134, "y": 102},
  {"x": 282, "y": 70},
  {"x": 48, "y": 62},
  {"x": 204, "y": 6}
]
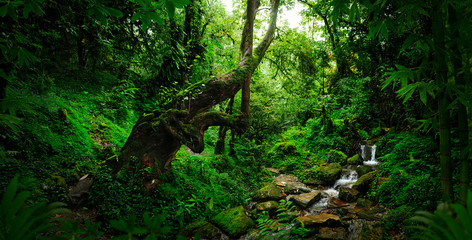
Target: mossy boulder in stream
[
  {"x": 267, "y": 193},
  {"x": 328, "y": 173},
  {"x": 363, "y": 183},
  {"x": 354, "y": 160},
  {"x": 204, "y": 229},
  {"x": 234, "y": 221}
]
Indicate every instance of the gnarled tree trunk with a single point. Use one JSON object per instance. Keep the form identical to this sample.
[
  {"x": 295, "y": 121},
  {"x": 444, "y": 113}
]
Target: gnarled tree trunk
[{"x": 156, "y": 137}]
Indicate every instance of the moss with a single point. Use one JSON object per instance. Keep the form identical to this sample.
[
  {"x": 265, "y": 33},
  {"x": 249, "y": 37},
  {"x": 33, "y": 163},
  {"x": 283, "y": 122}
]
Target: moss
[
  {"x": 354, "y": 160},
  {"x": 204, "y": 229},
  {"x": 268, "y": 192},
  {"x": 328, "y": 172},
  {"x": 337, "y": 157},
  {"x": 286, "y": 148},
  {"x": 363, "y": 183},
  {"x": 233, "y": 221}
]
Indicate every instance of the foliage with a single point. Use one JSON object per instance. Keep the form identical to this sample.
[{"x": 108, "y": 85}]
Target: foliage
[
  {"x": 20, "y": 221},
  {"x": 285, "y": 226},
  {"x": 412, "y": 169},
  {"x": 447, "y": 222}
]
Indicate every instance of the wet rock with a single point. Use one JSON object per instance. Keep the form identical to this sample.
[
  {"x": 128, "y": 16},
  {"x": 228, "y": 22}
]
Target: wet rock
[
  {"x": 296, "y": 187},
  {"x": 363, "y": 169},
  {"x": 332, "y": 233},
  {"x": 233, "y": 221},
  {"x": 268, "y": 192},
  {"x": 341, "y": 212},
  {"x": 375, "y": 213},
  {"x": 328, "y": 173},
  {"x": 354, "y": 160},
  {"x": 363, "y": 183},
  {"x": 319, "y": 220},
  {"x": 348, "y": 194},
  {"x": 204, "y": 229},
  {"x": 336, "y": 203},
  {"x": 266, "y": 206},
  {"x": 283, "y": 179},
  {"x": 365, "y": 203},
  {"x": 305, "y": 199}
]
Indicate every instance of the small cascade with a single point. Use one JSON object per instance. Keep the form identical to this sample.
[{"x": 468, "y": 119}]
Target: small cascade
[
  {"x": 368, "y": 154},
  {"x": 347, "y": 179}
]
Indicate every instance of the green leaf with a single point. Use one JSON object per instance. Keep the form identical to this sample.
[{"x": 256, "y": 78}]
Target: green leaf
[
  {"x": 210, "y": 204},
  {"x": 146, "y": 18},
  {"x": 136, "y": 16},
  {"x": 114, "y": 12},
  {"x": 170, "y": 9},
  {"x": 3, "y": 10},
  {"x": 180, "y": 3}
]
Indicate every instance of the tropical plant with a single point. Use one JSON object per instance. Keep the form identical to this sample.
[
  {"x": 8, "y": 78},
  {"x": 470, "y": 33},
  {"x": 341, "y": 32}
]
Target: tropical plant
[
  {"x": 22, "y": 221},
  {"x": 452, "y": 222}
]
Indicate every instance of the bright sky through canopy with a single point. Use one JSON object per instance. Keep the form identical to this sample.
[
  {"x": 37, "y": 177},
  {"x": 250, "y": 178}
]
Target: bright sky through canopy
[{"x": 291, "y": 16}]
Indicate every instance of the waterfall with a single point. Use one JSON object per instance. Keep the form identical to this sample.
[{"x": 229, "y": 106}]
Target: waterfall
[{"x": 368, "y": 154}]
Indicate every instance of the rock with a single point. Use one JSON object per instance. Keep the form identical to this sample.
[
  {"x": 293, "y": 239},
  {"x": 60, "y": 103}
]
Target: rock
[
  {"x": 204, "y": 229},
  {"x": 375, "y": 213},
  {"x": 363, "y": 183},
  {"x": 82, "y": 187},
  {"x": 233, "y": 221},
  {"x": 348, "y": 194},
  {"x": 331, "y": 233},
  {"x": 363, "y": 169},
  {"x": 296, "y": 187},
  {"x": 306, "y": 199},
  {"x": 336, "y": 203},
  {"x": 354, "y": 160},
  {"x": 340, "y": 212},
  {"x": 336, "y": 156},
  {"x": 328, "y": 173},
  {"x": 362, "y": 202},
  {"x": 266, "y": 206},
  {"x": 283, "y": 179},
  {"x": 382, "y": 180},
  {"x": 267, "y": 193},
  {"x": 321, "y": 220}
]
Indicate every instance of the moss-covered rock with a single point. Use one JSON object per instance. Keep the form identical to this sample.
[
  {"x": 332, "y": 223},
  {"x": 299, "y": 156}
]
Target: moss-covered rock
[
  {"x": 204, "y": 229},
  {"x": 348, "y": 194},
  {"x": 328, "y": 173},
  {"x": 267, "y": 206},
  {"x": 336, "y": 156},
  {"x": 362, "y": 170},
  {"x": 363, "y": 183},
  {"x": 306, "y": 199},
  {"x": 267, "y": 193},
  {"x": 354, "y": 160},
  {"x": 233, "y": 221}
]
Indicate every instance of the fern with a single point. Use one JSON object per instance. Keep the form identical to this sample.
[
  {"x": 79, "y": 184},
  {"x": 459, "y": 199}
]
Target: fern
[
  {"x": 23, "y": 222},
  {"x": 454, "y": 223}
]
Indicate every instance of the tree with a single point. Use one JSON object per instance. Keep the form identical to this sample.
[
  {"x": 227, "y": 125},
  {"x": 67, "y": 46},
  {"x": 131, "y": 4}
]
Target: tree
[{"x": 157, "y": 136}]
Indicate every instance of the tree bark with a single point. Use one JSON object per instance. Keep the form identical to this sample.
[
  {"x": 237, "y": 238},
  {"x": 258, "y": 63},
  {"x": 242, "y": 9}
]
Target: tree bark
[
  {"x": 156, "y": 137},
  {"x": 220, "y": 144}
]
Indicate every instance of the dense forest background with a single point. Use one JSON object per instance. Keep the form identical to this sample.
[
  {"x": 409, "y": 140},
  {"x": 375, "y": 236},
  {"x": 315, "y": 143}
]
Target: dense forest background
[{"x": 144, "y": 119}]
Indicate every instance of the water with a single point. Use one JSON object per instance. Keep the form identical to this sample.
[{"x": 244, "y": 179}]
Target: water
[{"x": 367, "y": 152}]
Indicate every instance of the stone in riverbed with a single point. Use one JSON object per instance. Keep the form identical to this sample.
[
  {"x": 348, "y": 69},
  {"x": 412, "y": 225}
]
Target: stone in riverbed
[
  {"x": 348, "y": 194},
  {"x": 306, "y": 199},
  {"x": 328, "y": 173},
  {"x": 363, "y": 169},
  {"x": 363, "y": 183},
  {"x": 332, "y": 233},
  {"x": 354, "y": 160},
  {"x": 234, "y": 221},
  {"x": 267, "y": 193},
  {"x": 319, "y": 220},
  {"x": 204, "y": 229},
  {"x": 267, "y": 206}
]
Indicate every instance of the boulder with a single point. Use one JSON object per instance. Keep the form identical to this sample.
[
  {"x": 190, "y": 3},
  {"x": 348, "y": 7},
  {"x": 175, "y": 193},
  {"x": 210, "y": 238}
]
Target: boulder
[
  {"x": 362, "y": 202},
  {"x": 354, "y": 160},
  {"x": 336, "y": 203},
  {"x": 296, "y": 187},
  {"x": 332, "y": 233},
  {"x": 363, "y": 169},
  {"x": 306, "y": 199},
  {"x": 233, "y": 221},
  {"x": 287, "y": 148},
  {"x": 363, "y": 183},
  {"x": 328, "y": 173},
  {"x": 204, "y": 229},
  {"x": 267, "y": 193},
  {"x": 376, "y": 213},
  {"x": 326, "y": 219},
  {"x": 266, "y": 206},
  {"x": 348, "y": 194}
]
